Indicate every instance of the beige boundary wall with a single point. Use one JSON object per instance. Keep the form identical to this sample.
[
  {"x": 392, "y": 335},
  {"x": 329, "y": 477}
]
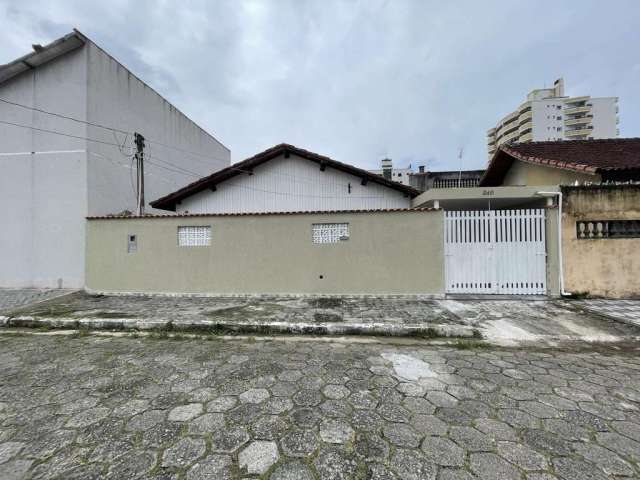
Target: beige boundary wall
[
  {"x": 608, "y": 267},
  {"x": 388, "y": 252}
]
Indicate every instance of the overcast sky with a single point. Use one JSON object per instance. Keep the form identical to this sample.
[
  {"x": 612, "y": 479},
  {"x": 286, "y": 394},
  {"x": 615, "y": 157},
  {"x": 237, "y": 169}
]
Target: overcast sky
[{"x": 355, "y": 80}]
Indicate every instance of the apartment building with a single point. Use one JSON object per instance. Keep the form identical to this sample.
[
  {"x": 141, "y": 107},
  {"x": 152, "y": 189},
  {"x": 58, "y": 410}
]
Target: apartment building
[
  {"x": 549, "y": 115},
  {"x": 388, "y": 171}
]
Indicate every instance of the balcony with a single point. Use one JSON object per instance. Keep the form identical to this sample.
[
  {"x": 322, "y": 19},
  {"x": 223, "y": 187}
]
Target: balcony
[
  {"x": 573, "y": 101},
  {"x": 509, "y": 137},
  {"x": 525, "y": 117},
  {"x": 578, "y": 121},
  {"x": 527, "y": 137},
  {"x": 578, "y": 132},
  {"x": 575, "y": 110},
  {"x": 525, "y": 127}
]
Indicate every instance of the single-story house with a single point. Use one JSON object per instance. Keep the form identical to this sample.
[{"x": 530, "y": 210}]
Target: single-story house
[
  {"x": 564, "y": 163},
  {"x": 285, "y": 178},
  {"x": 290, "y": 221}
]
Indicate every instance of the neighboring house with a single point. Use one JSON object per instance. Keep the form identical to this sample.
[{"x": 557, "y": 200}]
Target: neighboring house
[
  {"x": 548, "y": 114},
  {"x": 285, "y": 178},
  {"x": 565, "y": 163},
  {"x": 601, "y": 239},
  {"x": 51, "y": 181},
  {"x": 426, "y": 180},
  {"x": 400, "y": 175}
]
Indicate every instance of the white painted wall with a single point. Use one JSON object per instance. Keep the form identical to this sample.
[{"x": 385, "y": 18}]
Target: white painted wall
[
  {"x": 46, "y": 196},
  {"x": 293, "y": 184},
  {"x": 605, "y": 115}
]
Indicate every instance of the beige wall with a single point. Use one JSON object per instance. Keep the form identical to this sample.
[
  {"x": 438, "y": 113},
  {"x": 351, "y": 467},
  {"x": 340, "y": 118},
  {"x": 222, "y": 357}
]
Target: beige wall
[
  {"x": 522, "y": 173},
  {"x": 603, "y": 267},
  {"x": 388, "y": 252}
]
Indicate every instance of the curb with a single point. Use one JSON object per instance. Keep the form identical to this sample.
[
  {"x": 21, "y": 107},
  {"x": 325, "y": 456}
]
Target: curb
[{"x": 208, "y": 326}]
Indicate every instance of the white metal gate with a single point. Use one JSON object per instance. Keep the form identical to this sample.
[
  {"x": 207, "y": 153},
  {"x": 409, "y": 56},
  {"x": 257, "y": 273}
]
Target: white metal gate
[{"x": 495, "y": 252}]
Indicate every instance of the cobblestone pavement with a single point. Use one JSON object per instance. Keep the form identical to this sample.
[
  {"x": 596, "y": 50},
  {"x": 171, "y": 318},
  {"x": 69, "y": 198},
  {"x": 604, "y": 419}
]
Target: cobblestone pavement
[
  {"x": 11, "y": 298},
  {"x": 94, "y": 407},
  {"x": 519, "y": 319},
  {"x": 627, "y": 311}
]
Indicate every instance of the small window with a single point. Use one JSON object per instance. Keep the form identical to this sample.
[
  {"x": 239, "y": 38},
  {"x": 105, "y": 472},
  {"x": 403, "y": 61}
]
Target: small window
[
  {"x": 132, "y": 244},
  {"x": 559, "y": 107},
  {"x": 199, "y": 236},
  {"x": 330, "y": 232}
]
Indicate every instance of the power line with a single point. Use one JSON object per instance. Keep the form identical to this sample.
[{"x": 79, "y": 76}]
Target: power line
[
  {"x": 178, "y": 169},
  {"x": 59, "y": 133},
  {"x": 127, "y": 133},
  {"x": 60, "y": 115}
]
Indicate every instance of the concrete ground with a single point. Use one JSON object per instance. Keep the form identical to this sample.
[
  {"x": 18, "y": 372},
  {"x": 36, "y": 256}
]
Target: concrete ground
[
  {"x": 11, "y": 298},
  {"x": 93, "y": 407},
  {"x": 507, "y": 322}
]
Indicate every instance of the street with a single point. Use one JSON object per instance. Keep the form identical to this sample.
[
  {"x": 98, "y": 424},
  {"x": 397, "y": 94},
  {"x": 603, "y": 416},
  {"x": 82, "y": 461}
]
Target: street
[{"x": 87, "y": 406}]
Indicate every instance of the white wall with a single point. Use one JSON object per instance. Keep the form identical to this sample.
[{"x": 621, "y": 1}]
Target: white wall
[
  {"x": 545, "y": 120},
  {"x": 118, "y": 98},
  {"x": 45, "y": 197},
  {"x": 293, "y": 184},
  {"x": 604, "y": 117}
]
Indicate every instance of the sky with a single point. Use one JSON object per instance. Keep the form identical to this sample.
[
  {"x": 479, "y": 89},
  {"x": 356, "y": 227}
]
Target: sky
[{"x": 412, "y": 80}]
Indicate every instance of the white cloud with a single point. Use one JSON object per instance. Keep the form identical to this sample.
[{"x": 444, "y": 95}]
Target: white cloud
[{"x": 414, "y": 80}]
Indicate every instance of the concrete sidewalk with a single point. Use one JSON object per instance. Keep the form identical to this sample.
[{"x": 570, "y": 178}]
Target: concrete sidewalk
[{"x": 499, "y": 321}]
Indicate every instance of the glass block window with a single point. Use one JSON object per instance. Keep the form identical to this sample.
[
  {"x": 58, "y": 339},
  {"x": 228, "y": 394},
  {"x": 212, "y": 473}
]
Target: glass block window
[
  {"x": 194, "y": 236},
  {"x": 330, "y": 232}
]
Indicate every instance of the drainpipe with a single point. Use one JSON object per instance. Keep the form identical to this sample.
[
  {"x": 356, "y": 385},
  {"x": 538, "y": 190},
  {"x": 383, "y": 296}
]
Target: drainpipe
[{"x": 560, "y": 269}]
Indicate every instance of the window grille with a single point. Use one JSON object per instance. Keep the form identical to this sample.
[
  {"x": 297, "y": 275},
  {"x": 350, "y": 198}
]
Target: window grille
[
  {"x": 330, "y": 232},
  {"x": 194, "y": 236}
]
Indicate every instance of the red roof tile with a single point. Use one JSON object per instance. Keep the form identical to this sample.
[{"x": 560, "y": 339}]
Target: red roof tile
[{"x": 590, "y": 156}]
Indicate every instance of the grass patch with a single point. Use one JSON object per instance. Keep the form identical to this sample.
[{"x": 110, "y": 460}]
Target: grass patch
[{"x": 470, "y": 345}]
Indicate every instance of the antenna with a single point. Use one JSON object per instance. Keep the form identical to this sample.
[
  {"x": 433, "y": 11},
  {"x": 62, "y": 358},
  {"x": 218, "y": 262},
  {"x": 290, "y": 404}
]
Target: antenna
[{"x": 460, "y": 171}]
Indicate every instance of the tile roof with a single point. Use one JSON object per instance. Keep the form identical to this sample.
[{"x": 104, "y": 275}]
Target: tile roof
[
  {"x": 249, "y": 214},
  {"x": 168, "y": 202},
  {"x": 588, "y": 156}
]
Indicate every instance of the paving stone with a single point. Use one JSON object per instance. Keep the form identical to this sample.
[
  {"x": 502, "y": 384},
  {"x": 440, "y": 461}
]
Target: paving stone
[
  {"x": 229, "y": 439},
  {"x": 335, "y": 431},
  {"x": 305, "y": 417},
  {"x": 496, "y": 429},
  {"x": 490, "y": 465},
  {"x": 428, "y": 425},
  {"x": 299, "y": 443},
  {"x": 619, "y": 444},
  {"x": 307, "y": 398},
  {"x": 401, "y": 435},
  {"x": 523, "y": 457},
  {"x": 336, "y": 392},
  {"x": 206, "y": 423},
  {"x": 455, "y": 474},
  {"x": 218, "y": 467},
  {"x": 363, "y": 400},
  {"x": 270, "y": 427},
  {"x": 222, "y": 404},
  {"x": 278, "y": 405},
  {"x": 15, "y": 469},
  {"x": 295, "y": 470},
  {"x": 183, "y": 453},
  {"x": 471, "y": 439},
  {"x": 87, "y": 417},
  {"x": 254, "y": 395},
  {"x": 133, "y": 465},
  {"x": 571, "y": 469},
  {"x": 628, "y": 429},
  {"x": 161, "y": 434},
  {"x": 258, "y": 457},
  {"x": 441, "y": 399},
  {"x": 336, "y": 408},
  {"x": 333, "y": 464},
  {"x": 609, "y": 462},
  {"x": 9, "y": 450},
  {"x": 411, "y": 465},
  {"x": 442, "y": 451},
  {"x": 184, "y": 413},
  {"x": 376, "y": 471},
  {"x": 371, "y": 447},
  {"x": 146, "y": 420}
]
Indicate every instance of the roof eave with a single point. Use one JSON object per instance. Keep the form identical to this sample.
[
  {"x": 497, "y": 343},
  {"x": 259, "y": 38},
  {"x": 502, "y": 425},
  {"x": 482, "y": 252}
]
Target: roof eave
[{"x": 42, "y": 55}]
